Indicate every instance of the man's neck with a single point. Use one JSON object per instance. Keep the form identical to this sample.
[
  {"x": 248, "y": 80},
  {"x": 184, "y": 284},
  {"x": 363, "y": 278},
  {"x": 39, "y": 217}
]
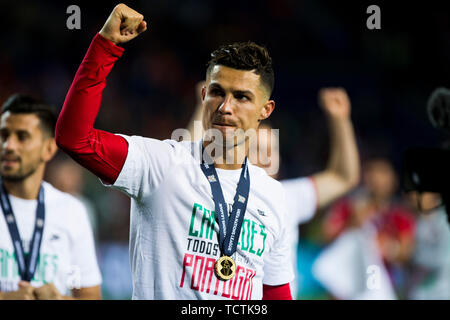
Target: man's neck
[
  {"x": 27, "y": 188},
  {"x": 228, "y": 159}
]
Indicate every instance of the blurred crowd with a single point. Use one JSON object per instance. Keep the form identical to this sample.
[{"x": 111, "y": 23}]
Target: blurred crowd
[
  {"x": 151, "y": 91},
  {"x": 378, "y": 234}
]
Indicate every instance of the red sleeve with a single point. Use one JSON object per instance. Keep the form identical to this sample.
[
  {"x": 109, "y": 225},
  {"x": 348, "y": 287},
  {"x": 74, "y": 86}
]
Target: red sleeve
[
  {"x": 101, "y": 152},
  {"x": 282, "y": 292}
]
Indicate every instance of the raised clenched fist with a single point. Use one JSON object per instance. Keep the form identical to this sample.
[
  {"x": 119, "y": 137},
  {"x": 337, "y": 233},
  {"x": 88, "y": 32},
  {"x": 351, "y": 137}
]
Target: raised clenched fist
[
  {"x": 335, "y": 102},
  {"x": 123, "y": 24}
]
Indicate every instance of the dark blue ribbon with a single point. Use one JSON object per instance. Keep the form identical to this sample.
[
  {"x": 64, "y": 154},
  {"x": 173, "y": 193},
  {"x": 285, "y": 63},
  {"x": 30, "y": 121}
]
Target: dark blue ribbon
[
  {"x": 27, "y": 264},
  {"x": 229, "y": 226}
]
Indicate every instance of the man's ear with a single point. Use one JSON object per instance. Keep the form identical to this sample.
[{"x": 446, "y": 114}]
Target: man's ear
[
  {"x": 50, "y": 149},
  {"x": 203, "y": 92},
  {"x": 267, "y": 110}
]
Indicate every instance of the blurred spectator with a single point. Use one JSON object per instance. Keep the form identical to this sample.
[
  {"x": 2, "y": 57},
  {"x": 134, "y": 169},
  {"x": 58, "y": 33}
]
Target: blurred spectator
[
  {"x": 430, "y": 273},
  {"x": 379, "y": 184},
  {"x": 371, "y": 229}
]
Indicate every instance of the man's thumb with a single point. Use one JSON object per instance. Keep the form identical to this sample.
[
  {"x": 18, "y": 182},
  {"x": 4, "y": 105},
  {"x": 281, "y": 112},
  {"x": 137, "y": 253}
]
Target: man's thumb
[{"x": 142, "y": 27}]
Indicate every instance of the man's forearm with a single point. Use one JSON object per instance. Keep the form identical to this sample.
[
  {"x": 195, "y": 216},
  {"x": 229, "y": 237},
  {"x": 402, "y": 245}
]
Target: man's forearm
[
  {"x": 100, "y": 152},
  {"x": 84, "y": 97},
  {"x": 344, "y": 157},
  {"x": 343, "y": 169}
]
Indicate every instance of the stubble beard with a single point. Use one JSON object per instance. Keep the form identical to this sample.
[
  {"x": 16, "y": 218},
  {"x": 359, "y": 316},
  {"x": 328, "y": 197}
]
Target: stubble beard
[{"x": 19, "y": 176}]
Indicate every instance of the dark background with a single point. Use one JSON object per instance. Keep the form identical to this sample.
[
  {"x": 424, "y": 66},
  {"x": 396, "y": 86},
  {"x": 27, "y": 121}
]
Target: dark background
[{"x": 388, "y": 73}]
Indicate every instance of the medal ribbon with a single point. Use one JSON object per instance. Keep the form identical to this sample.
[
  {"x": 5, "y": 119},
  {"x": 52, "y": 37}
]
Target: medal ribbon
[
  {"x": 27, "y": 265},
  {"x": 229, "y": 226}
]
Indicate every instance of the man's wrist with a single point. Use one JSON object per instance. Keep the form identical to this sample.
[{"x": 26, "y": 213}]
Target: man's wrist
[
  {"x": 109, "y": 46},
  {"x": 338, "y": 119},
  {"x": 107, "y": 37}
]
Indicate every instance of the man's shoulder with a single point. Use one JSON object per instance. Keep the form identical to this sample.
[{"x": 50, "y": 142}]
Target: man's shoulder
[
  {"x": 266, "y": 186},
  {"x": 150, "y": 144},
  {"x": 260, "y": 176}
]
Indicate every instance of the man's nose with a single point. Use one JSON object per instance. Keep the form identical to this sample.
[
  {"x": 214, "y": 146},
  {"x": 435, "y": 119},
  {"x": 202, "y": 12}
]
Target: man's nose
[
  {"x": 227, "y": 105},
  {"x": 10, "y": 143}
]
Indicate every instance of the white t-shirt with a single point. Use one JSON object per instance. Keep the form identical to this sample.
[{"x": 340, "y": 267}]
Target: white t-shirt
[
  {"x": 174, "y": 234},
  {"x": 67, "y": 255},
  {"x": 432, "y": 254},
  {"x": 301, "y": 203}
]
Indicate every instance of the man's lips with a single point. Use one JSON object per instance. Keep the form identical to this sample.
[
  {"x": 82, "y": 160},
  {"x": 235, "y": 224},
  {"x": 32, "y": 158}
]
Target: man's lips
[
  {"x": 219, "y": 124},
  {"x": 9, "y": 161}
]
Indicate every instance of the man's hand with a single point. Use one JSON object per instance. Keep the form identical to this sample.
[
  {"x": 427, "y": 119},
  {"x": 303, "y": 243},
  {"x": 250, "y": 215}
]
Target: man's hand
[
  {"x": 25, "y": 292},
  {"x": 123, "y": 25},
  {"x": 335, "y": 102},
  {"x": 48, "y": 292}
]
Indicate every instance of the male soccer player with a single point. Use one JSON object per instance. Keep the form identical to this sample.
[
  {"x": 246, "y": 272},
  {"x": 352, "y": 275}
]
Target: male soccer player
[
  {"x": 196, "y": 231},
  {"x": 306, "y": 195},
  {"x": 46, "y": 243}
]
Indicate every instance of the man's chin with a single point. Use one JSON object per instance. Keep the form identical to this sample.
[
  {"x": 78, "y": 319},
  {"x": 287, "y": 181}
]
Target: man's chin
[
  {"x": 226, "y": 132},
  {"x": 12, "y": 176}
]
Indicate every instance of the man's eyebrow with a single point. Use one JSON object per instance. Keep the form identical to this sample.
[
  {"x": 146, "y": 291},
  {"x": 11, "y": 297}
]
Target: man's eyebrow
[
  {"x": 215, "y": 86},
  {"x": 23, "y": 131},
  {"x": 18, "y": 131},
  {"x": 243, "y": 92}
]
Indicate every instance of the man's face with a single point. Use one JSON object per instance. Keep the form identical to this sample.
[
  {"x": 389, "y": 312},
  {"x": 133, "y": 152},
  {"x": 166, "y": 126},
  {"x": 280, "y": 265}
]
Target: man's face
[
  {"x": 234, "y": 99},
  {"x": 22, "y": 145},
  {"x": 380, "y": 178}
]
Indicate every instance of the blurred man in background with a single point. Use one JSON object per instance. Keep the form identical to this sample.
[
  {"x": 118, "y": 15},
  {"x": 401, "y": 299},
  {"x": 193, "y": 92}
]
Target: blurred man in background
[
  {"x": 369, "y": 231},
  {"x": 46, "y": 243},
  {"x": 429, "y": 275}
]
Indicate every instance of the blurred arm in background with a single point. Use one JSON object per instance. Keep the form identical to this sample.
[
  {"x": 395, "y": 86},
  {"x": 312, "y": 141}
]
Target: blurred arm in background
[{"x": 343, "y": 170}]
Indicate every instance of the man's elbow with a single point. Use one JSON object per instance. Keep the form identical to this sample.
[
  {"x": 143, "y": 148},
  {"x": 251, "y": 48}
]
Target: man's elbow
[
  {"x": 349, "y": 177},
  {"x": 60, "y": 139},
  {"x": 349, "y": 182},
  {"x": 345, "y": 182},
  {"x": 353, "y": 180},
  {"x": 64, "y": 139}
]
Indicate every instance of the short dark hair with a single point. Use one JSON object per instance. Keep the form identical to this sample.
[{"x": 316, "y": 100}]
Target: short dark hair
[
  {"x": 24, "y": 103},
  {"x": 245, "y": 56}
]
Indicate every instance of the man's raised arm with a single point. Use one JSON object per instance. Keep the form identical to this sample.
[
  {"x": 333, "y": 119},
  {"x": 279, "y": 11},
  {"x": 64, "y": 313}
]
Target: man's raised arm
[
  {"x": 343, "y": 169},
  {"x": 101, "y": 152}
]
